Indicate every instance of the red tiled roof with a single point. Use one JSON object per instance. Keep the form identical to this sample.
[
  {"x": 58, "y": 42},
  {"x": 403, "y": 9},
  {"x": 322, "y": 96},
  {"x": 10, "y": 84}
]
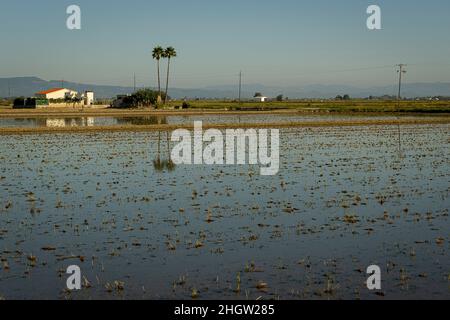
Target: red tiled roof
[{"x": 50, "y": 91}]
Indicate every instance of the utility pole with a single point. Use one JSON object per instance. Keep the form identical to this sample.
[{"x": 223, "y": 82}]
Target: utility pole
[
  {"x": 9, "y": 89},
  {"x": 240, "y": 85},
  {"x": 134, "y": 82},
  {"x": 62, "y": 84},
  {"x": 400, "y": 72}
]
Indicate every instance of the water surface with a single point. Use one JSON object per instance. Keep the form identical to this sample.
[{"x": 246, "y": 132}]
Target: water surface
[
  {"x": 345, "y": 198},
  {"x": 177, "y": 119}
]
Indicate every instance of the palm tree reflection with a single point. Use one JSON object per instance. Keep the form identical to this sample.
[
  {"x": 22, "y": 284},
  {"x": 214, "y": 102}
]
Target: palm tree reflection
[
  {"x": 142, "y": 121},
  {"x": 160, "y": 164},
  {"x": 169, "y": 163}
]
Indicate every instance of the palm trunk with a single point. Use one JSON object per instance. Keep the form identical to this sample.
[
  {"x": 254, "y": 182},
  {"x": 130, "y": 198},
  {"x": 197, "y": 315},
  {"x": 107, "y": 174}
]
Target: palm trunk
[
  {"x": 167, "y": 80},
  {"x": 159, "y": 82}
]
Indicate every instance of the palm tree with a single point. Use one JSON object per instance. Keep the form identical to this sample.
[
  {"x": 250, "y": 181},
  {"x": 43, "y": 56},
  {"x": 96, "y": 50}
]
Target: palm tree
[
  {"x": 169, "y": 53},
  {"x": 158, "y": 53}
]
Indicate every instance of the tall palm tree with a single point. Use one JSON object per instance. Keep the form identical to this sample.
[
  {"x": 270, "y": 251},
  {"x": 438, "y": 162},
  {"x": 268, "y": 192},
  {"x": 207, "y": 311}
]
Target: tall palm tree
[
  {"x": 169, "y": 53},
  {"x": 158, "y": 53}
]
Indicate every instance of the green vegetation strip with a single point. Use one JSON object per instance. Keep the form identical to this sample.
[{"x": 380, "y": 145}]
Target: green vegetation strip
[{"x": 355, "y": 105}]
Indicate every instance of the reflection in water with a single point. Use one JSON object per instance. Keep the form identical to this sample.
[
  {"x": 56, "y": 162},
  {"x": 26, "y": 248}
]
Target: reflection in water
[
  {"x": 183, "y": 119},
  {"x": 341, "y": 202},
  {"x": 160, "y": 164},
  {"x": 170, "y": 165},
  {"x": 70, "y": 122},
  {"x": 81, "y": 121},
  {"x": 141, "y": 121}
]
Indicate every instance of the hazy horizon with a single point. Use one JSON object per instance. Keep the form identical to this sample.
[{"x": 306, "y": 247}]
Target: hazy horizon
[
  {"x": 230, "y": 85},
  {"x": 281, "y": 44}
]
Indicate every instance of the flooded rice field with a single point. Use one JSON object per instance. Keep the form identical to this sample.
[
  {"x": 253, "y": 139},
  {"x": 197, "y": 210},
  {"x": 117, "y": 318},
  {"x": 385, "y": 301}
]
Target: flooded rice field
[
  {"x": 345, "y": 198},
  {"x": 56, "y": 122}
]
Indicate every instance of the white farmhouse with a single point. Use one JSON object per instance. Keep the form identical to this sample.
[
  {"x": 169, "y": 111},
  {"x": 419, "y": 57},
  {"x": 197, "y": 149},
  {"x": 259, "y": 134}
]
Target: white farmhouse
[
  {"x": 56, "y": 93},
  {"x": 261, "y": 99}
]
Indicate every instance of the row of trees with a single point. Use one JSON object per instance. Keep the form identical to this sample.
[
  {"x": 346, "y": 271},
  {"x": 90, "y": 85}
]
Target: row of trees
[
  {"x": 344, "y": 97},
  {"x": 158, "y": 54},
  {"x": 143, "y": 98}
]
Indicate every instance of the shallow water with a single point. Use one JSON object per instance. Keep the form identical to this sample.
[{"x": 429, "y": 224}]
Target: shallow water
[
  {"x": 155, "y": 120},
  {"x": 96, "y": 200}
]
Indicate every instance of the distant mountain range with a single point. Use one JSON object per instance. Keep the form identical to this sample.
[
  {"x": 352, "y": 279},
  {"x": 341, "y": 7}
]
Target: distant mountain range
[{"x": 28, "y": 86}]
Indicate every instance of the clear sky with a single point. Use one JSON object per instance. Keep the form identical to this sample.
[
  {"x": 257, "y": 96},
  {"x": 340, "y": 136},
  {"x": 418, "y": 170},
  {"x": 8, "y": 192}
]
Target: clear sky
[{"x": 279, "y": 43}]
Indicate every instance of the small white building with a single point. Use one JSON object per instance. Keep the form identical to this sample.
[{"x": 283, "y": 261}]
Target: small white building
[
  {"x": 56, "y": 93},
  {"x": 88, "y": 98},
  {"x": 261, "y": 99}
]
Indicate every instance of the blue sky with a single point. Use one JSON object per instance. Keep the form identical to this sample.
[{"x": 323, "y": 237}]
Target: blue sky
[{"x": 278, "y": 43}]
